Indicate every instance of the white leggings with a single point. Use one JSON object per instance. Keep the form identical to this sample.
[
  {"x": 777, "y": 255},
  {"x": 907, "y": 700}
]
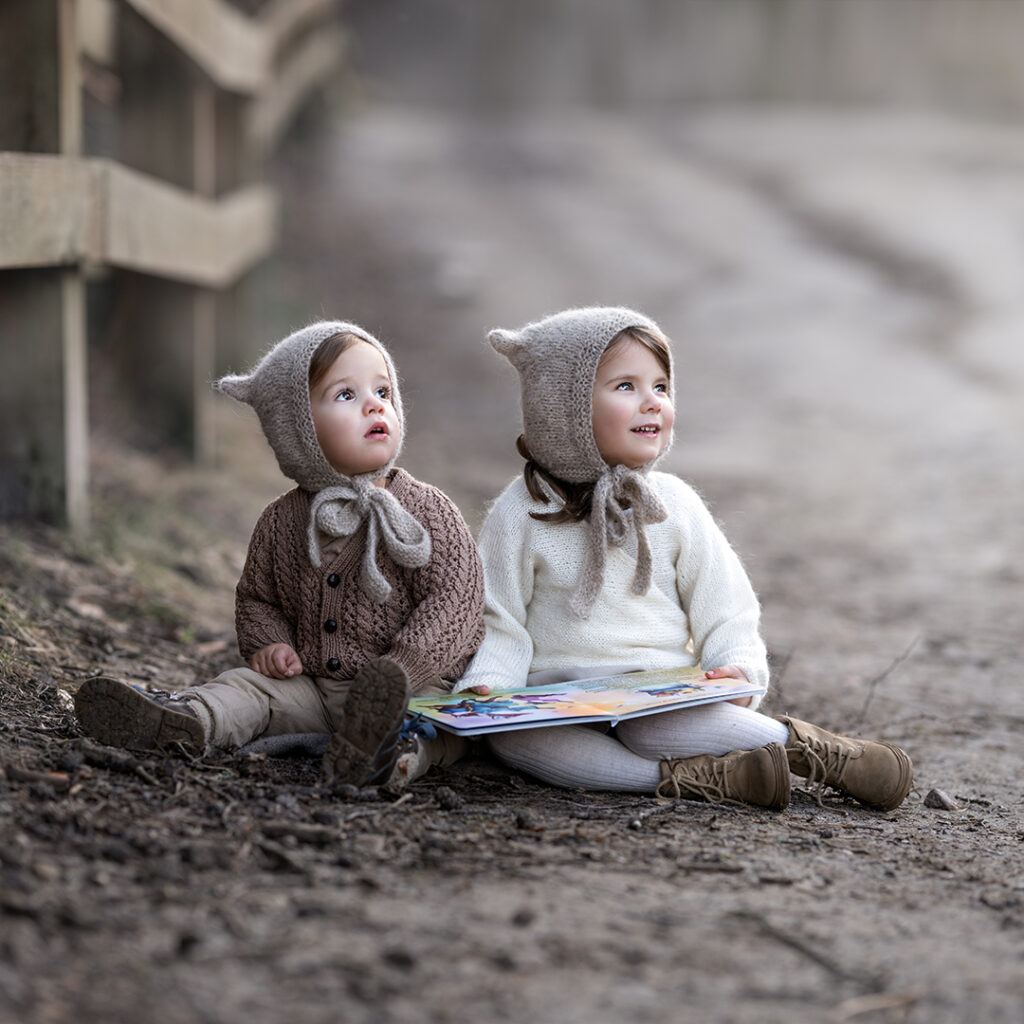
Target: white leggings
[{"x": 627, "y": 760}]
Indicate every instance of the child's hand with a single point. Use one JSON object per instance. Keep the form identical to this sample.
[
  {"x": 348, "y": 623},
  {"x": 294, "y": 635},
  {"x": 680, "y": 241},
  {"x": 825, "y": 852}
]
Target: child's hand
[
  {"x": 481, "y": 689},
  {"x": 278, "y": 661},
  {"x": 730, "y": 672}
]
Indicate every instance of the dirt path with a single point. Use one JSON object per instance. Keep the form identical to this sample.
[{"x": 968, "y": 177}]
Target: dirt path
[{"x": 845, "y": 297}]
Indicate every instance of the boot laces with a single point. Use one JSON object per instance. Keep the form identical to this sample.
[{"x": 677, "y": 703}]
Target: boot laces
[
  {"x": 826, "y": 762},
  {"x": 164, "y": 698},
  {"x": 706, "y": 780},
  {"x": 380, "y": 770}
]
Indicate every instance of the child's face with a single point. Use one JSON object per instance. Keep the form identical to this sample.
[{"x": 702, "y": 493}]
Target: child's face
[
  {"x": 355, "y": 421},
  {"x": 632, "y": 415}
]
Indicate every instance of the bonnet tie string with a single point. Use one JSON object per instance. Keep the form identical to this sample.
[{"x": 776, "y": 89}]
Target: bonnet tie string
[
  {"x": 622, "y": 499},
  {"x": 339, "y": 511}
]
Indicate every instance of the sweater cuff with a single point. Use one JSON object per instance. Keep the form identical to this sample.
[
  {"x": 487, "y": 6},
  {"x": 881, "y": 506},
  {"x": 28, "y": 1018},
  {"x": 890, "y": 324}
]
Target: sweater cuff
[
  {"x": 758, "y": 676},
  {"x": 420, "y": 670}
]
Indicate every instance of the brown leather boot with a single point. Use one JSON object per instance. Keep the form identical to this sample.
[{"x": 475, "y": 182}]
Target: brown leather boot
[
  {"x": 879, "y": 775},
  {"x": 759, "y": 777},
  {"x": 365, "y": 744},
  {"x": 122, "y": 715}
]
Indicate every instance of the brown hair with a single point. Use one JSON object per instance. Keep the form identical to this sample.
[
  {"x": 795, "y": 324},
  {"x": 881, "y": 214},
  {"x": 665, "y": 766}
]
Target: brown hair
[
  {"x": 575, "y": 499},
  {"x": 326, "y": 352},
  {"x": 653, "y": 340}
]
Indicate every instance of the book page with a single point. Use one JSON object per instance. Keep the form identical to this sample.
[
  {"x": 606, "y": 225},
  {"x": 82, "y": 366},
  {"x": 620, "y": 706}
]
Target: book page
[{"x": 604, "y": 699}]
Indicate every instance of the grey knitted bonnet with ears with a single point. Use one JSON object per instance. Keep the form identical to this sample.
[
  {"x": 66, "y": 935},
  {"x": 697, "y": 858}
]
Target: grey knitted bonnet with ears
[
  {"x": 278, "y": 389},
  {"x": 557, "y": 360}
]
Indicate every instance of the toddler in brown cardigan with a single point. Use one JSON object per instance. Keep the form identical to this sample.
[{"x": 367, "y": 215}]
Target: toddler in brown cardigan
[{"x": 362, "y": 585}]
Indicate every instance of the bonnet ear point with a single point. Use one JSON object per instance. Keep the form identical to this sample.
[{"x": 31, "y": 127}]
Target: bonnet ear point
[
  {"x": 237, "y": 387},
  {"x": 503, "y": 342}
]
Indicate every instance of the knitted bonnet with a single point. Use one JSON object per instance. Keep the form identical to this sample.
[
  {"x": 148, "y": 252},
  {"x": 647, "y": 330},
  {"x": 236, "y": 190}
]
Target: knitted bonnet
[
  {"x": 278, "y": 389},
  {"x": 557, "y": 360}
]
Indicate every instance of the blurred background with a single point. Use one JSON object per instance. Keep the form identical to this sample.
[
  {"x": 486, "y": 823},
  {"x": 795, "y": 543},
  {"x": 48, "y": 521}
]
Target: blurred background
[{"x": 819, "y": 200}]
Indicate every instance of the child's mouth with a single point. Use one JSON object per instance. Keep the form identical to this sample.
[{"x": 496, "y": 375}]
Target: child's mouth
[
  {"x": 647, "y": 431},
  {"x": 377, "y": 430}
]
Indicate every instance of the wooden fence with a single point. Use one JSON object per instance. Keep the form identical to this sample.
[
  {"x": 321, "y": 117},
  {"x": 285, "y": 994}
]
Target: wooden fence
[{"x": 132, "y": 134}]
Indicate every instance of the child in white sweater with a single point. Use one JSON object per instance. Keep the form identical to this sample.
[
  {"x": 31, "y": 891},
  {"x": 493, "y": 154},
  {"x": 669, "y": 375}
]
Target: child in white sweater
[{"x": 594, "y": 563}]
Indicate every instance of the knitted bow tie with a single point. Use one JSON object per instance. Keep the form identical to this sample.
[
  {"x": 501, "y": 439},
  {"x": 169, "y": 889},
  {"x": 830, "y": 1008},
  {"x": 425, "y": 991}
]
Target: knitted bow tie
[
  {"x": 623, "y": 499},
  {"x": 341, "y": 509}
]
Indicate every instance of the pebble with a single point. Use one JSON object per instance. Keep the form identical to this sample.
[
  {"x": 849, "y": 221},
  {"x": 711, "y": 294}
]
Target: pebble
[
  {"x": 940, "y": 800},
  {"x": 71, "y": 760},
  {"x": 523, "y": 917},
  {"x": 528, "y": 819},
  {"x": 447, "y": 799}
]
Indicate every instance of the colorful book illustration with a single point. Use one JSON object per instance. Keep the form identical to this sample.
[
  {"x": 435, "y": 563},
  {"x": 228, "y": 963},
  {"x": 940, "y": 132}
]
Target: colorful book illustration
[{"x": 605, "y": 699}]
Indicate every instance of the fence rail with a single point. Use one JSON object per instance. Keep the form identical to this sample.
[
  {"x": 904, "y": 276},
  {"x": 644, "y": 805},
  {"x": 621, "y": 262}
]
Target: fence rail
[
  {"x": 172, "y": 219},
  {"x": 67, "y": 211}
]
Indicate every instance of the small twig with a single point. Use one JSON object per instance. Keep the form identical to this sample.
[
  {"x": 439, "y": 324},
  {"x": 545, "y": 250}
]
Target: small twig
[
  {"x": 283, "y": 855},
  {"x": 869, "y": 1004},
  {"x": 873, "y": 685},
  {"x": 657, "y": 809},
  {"x": 145, "y": 776},
  {"x": 114, "y": 760},
  {"x": 209, "y": 784},
  {"x": 59, "y": 781},
  {"x": 301, "y": 831},
  {"x": 224, "y": 811},
  {"x": 373, "y": 812},
  {"x": 710, "y": 867},
  {"x": 194, "y": 761},
  {"x": 806, "y": 949},
  {"x": 607, "y": 808}
]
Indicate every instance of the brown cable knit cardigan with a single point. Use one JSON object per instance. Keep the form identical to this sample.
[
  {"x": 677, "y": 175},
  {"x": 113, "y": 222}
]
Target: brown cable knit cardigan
[{"x": 431, "y": 625}]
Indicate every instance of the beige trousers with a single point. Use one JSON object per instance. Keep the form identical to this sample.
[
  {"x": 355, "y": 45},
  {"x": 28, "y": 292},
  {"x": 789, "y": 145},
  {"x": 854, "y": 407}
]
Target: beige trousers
[{"x": 241, "y": 705}]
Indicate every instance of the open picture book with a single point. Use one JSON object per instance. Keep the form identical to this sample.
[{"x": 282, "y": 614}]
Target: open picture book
[{"x": 603, "y": 699}]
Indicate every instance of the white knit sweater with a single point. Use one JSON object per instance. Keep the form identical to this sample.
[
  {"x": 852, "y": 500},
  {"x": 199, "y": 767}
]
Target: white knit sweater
[{"x": 699, "y": 592}]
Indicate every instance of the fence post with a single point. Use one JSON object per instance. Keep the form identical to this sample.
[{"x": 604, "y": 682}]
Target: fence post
[
  {"x": 43, "y": 376},
  {"x": 204, "y": 301},
  {"x": 149, "y": 342}
]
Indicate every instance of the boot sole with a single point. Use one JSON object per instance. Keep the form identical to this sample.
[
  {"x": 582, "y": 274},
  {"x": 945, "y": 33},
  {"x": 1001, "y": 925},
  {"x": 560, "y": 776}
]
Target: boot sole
[
  {"x": 121, "y": 716},
  {"x": 364, "y": 748}
]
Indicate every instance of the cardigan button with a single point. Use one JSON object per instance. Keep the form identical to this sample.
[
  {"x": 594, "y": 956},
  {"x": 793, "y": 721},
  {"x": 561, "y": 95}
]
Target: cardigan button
[
  {"x": 333, "y": 580},
  {"x": 330, "y": 626},
  {"x": 333, "y": 664}
]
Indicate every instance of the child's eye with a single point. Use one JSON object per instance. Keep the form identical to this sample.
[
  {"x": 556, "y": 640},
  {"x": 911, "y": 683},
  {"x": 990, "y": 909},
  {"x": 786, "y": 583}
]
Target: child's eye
[
  {"x": 345, "y": 395},
  {"x": 663, "y": 388},
  {"x": 384, "y": 392},
  {"x": 624, "y": 385}
]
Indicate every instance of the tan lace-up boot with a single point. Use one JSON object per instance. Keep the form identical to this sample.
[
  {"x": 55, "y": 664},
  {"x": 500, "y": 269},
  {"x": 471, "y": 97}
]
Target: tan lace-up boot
[
  {"x": 368, "y": 725},
  {"x": 759, "y": 777},
  {"x": 122, "y": 715},
  {"x": 879, "y": 775}
]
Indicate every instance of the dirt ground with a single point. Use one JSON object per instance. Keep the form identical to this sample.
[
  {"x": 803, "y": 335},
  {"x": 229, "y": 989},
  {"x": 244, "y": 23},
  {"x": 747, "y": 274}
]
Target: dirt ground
[{"x": 845, "y": 296}]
